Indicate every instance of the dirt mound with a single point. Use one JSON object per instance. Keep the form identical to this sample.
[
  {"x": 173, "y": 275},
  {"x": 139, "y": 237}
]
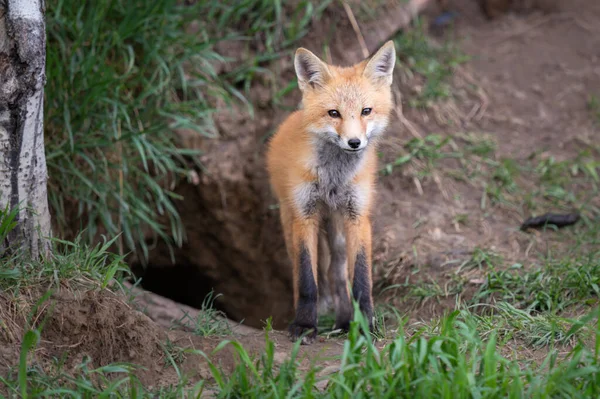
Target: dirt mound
[
  {"x": 102, "y": 326},
  {"x": 94, "y": 324}
]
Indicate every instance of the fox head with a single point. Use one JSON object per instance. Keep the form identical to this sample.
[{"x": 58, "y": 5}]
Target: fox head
[{"x": 349, "y": 106}]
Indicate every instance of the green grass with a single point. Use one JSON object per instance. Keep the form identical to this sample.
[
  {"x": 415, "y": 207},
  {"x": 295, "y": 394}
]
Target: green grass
[
  {"x": 558, "y": 284},
  {"x": 503, "y": 175},
  {"x": 594, "y": 107},
  {"x": 209, "y": 322},
  {"x": 527, "y": 186},
  {"x": 527, "y": 307},
  {"x": 433, "y": 64},
  {"x": 122, "y": 78},
  {"x": 78, "y": 266},
  {"x": 474, "y": 352},
  {"x": 174, "y": 354},
  {"x": 8, "y": 221},
  {"x": 423, "y": 154},
  {"x": 120, "y": 81},
  {"x": 69, "y": 261},
  {"x": 482, "y": 258},
  {"x": 453, "y": 358},
  {"x": 424, "y": 290},
  {"x": 117, "y": 90},
  {"x": 112, "y": 381},
  {"x": 454, "y": 361},
  {"x": 531, "y": 329},
  {"x": 279, "y": 26}
]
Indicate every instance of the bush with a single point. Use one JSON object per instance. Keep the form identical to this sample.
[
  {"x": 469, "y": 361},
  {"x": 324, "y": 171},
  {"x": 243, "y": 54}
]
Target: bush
[{"x": 122, "y": 76}]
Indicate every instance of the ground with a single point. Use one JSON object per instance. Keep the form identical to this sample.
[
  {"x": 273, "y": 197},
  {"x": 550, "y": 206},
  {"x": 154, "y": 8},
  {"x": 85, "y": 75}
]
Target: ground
[
  {"x": 536, "y": 74},
  {"x": 460, "y": 173}
]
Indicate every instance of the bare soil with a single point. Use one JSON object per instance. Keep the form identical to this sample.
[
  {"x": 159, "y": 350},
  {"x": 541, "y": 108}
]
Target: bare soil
[
  {"x": 536, "y": 71},
  {"x": 527, "y": 85},
  {"x": 80, "y": 324}
]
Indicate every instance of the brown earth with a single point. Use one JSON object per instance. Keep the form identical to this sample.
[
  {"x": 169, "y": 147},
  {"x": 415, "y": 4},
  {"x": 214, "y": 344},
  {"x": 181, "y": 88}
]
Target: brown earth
[
  {"x": 527, "y": 86},
  {"x": 536, "y": 71},
  {"x": 79, "y": 323}
]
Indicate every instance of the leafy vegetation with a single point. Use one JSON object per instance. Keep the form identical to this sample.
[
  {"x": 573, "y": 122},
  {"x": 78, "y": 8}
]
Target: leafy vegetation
[
  {"x": 558, "y": 284},
  {"x": 123, "y": 77},
  {"x": 209, "y": 322},
  {"x": 433, "y": 63},
  {"x": 451, "y": 359},
  {"x": 594, "y": 107}
]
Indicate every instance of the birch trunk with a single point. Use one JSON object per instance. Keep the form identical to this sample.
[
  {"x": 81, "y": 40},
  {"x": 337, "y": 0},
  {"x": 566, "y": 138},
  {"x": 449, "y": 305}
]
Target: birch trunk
[{"x": 23, "y": 173}]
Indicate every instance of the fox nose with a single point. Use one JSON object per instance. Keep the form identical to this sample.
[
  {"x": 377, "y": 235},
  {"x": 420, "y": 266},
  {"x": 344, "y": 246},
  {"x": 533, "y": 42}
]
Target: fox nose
[{"x": 354, "y": 143}]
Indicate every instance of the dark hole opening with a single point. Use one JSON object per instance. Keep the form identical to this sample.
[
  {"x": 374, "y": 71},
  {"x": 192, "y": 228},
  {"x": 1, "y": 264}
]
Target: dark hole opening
[{"x": 182, "y": 283}]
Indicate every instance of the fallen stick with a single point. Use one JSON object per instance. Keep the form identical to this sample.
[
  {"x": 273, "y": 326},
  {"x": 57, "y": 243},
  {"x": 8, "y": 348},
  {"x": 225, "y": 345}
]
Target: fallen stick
[
  {"x": 396, "y": 19},
  {"x": 373, "y": 34},
  {"x": 168, "y": 313},
  {"x": 359, "y": 36},
  {"x": 558, "y": 220}
]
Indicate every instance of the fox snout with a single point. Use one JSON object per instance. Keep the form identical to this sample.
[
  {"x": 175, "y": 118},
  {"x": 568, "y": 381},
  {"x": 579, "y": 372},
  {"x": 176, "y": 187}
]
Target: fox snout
[
  {"x": 353, "y": 144},
  {"x": 353, "y": 136}
]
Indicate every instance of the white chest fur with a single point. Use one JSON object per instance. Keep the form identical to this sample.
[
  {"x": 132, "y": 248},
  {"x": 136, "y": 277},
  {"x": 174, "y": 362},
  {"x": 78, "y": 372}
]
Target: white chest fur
[{"x": 333, "y": 188}]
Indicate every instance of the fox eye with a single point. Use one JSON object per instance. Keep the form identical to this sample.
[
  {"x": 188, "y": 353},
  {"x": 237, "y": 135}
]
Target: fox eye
[
  {"x": 366, "y": 111},
  {"x": 334, "y": 113}
]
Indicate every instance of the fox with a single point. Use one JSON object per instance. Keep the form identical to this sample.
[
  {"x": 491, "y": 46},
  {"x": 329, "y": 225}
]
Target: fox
[{"x": 322, "y": 167}]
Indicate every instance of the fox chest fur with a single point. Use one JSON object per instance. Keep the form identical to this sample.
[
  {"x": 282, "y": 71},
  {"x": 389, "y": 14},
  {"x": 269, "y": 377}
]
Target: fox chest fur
[{"x": 334, "y": 188}]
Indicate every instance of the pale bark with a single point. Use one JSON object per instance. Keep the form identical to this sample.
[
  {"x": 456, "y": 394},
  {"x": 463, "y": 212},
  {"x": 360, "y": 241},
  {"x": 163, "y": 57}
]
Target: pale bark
[{"x": 23, "y": 173}]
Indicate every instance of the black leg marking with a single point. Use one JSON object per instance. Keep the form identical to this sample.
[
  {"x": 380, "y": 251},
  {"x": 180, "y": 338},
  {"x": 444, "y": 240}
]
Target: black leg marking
[
  {"x": 306, "y": 309},
  {"x": 361, "y": 286}
]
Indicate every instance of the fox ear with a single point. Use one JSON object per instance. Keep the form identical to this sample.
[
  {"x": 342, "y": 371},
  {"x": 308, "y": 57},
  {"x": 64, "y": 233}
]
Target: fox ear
[
  {"x": 310, "y": 69},
  {"x": 380, "y": 67}
]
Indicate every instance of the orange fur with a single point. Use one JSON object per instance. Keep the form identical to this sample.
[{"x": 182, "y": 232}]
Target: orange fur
[{"x": 318, "y": 174}]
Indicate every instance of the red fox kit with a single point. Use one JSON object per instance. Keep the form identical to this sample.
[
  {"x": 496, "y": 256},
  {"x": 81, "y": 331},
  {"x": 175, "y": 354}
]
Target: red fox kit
[{"x": 322, "y": 164}]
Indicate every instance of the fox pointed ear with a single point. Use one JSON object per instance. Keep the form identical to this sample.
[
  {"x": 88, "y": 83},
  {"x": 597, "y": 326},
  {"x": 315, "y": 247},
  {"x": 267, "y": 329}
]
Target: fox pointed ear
[
  {"x": 310, "y": 69},
  {"x": 380, "y": 67}
]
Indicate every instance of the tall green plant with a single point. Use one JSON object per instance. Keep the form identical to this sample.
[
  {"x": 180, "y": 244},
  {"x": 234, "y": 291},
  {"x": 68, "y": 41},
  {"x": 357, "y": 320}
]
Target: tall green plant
[{"x": 122, "y": 77}]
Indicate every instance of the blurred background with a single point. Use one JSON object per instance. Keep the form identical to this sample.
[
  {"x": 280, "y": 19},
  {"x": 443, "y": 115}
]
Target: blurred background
[{"x": 157, "y": 116}]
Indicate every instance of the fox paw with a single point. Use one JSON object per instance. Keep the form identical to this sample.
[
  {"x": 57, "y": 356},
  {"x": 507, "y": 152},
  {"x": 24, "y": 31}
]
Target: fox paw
[
  {"x": 343, "y": 324},
  {"x": 308, "y": 334}
]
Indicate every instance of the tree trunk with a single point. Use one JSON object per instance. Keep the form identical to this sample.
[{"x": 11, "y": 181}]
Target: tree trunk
[{"x": 23, "y": 174}]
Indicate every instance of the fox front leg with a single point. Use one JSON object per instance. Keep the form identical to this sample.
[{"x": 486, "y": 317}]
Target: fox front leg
[
  {"x": 358, "y": 243},
  {"x": 305, "y": 237}
]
